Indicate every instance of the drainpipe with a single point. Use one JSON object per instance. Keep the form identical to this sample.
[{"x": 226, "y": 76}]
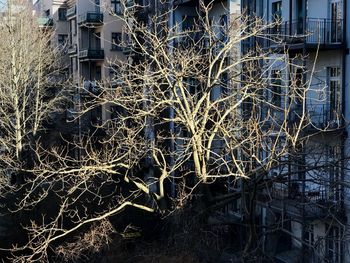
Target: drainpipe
[
  {"x": 171, "y": 111},
  {"x": 78, "y": 39},
  {"x": 345, "y": 48},
  {"x": 303, "y": 232},
  {"x": 344, "y": 136},
  {"x": 290, "y": 15}
]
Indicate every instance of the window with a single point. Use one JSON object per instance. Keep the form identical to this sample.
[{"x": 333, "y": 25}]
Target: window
[
  {"x": 189, "y": 22},
  {"x": 309, "y": 234},
  {"x": 336, "y": 21},
  {"x": 116, "y": 7},
  {"x": 277, "y": 10},
  {"x": 98, "y": 74},
  {"x": 97, "y": 6},
  {"x": 62, "y": 39},
  {"x": 297, "y": 80},
  {"x": 96, "y": 41},
  {"x": 73, "y": 27},
  {"x": 300, "y": 14},
  {"x": 277, "y": 15},
  {"x": 62, "y": 14},
  {"x": 223, "y": 28},
  {"x": 334, "y": 84},
  {"x": 334, "y": 188},
  {"x": 114, "y": 72},
  {"x": 333, "y": 244},
  {"x": 116, "y": 41},
  {"x": 225, "y": 84},
  {"x": 276, "y": 89},
  {"x": 116, "y": 111}
]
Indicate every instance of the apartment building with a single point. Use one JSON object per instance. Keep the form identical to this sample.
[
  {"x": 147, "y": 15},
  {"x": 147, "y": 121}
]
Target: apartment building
[
  {"x": 318, "y": 31},
  {"x": 95, "y": 34},
  {"x": 53, "y": 14},
  {"x": 308, "y": 207},
  {"x": 311, "y": 209},
  {"x": 89, "y": 33}
]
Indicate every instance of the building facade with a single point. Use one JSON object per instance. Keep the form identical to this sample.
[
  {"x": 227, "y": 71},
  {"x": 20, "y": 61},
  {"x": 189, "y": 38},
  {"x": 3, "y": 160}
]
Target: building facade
[
  {"x": 312, "y": 206},
  {"x": 94, "y": 41},
  {"x": 309, "y": 209}
]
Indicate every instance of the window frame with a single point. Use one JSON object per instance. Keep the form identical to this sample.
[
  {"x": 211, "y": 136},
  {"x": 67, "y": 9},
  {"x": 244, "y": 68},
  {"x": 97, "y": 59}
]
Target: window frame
[
  {"x": 62, "y": 39},
  {"x": 335, "y": 91},
  {"x": 116, "y": 46},
  {"x": 116, "y": 7},
  {"x": 62, "y": 14}
]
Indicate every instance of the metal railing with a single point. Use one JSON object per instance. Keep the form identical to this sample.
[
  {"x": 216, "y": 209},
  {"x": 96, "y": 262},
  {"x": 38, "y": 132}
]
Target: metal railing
[
  {"x": 45, "y": 21},
  {"x": 316, "y": 195},
  {"x": 92, "y": 54},
  {"x": 71, "y": 11},
  {"x": 323, "y": 115},
  {"x": 90, "y": 87},
  {"x": 91, "y": 18},
  {"x": 311, "y": 31},
  {"x": 127, "y": 45},
  {"x": 72, "y": 49},
  {"x": 312, "y": 203}
]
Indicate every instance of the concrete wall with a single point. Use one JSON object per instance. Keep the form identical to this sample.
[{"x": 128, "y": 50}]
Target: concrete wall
[
  {"x": 313, "y": 8},
  {"x": 60, "y": 27}
]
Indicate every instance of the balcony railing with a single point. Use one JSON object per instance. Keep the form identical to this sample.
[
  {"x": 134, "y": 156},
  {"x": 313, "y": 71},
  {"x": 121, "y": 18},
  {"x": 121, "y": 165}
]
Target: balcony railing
[
  {"x": 90, "y": 87},
  {"x": 324, "y": 116},
  {"x": 315, "y": 203},
  {"x": 91, "y": 18},
  {"x": 72, "y": 49},
  {"x": 71, "y": 11},
  {"x": 92, "y": 54},
  {"x": 137, "y": 3},
  {"x": 311, "y": 31},
  {"x": 294, "y": 193},
  {"x": 320, "y": 116},
  {"x": 127, "y": 46},
  {"x": 45, "y": 22}
]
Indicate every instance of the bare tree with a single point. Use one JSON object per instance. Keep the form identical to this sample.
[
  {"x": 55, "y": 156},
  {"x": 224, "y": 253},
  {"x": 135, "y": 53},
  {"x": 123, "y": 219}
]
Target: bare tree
[
  {"x": 30, "y": 97},
  {"x": 28, "y": 73},
  {"x": 189, "y": 111}
]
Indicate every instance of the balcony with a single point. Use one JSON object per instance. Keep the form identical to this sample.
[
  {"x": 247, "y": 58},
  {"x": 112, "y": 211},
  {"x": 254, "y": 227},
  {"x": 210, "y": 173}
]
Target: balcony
[
  {"x": 320, "y": 117},
  {"x": 194, "y": 40},
  {"x": 140, "y": 6},
  {"x": 314, "y": 32},
  {"x": 45, "y": 21},
  {"x": 91, "y": 54},
  {"x": 89, "y": 88},
  {"x": 324, "y": 117},
  {"x": 91, "y": 19},
  {"x": 71, "y": 12},
  {"x": 72, "y": 49},
  {"x": 127, "y": 46},
  {"x": 311, "y": 204}
]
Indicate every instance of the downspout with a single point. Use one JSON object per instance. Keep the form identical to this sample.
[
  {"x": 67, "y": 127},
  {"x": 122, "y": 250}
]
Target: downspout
[
  {"x": 79, "y": 73},
  {"x": 290, "y": 16},
  {"x": 345, "y": 52},
  {"x": 303, "y": 228},
  {"x": 344, "y": 136},
  {"x": 171, "y": 111}
]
